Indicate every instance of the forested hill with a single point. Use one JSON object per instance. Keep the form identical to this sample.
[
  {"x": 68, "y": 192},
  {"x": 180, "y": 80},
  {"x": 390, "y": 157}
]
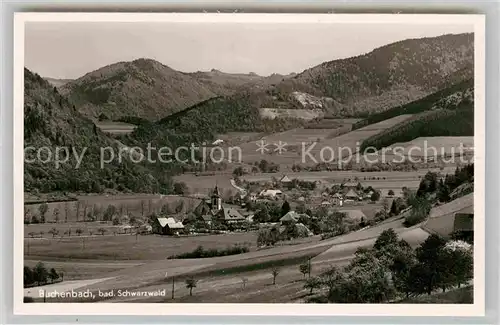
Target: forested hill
[
  {"x": 51, "y": 120},
  {"x": 449, "y": 113},
  {"x": 204, "y": 121},
  {"x": 391, "y": 75},
  {"x": 437, "y": 99}
]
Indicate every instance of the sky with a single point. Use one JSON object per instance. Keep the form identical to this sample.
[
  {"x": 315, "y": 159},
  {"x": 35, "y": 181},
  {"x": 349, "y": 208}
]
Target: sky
[{"x": 68, "y": 50}]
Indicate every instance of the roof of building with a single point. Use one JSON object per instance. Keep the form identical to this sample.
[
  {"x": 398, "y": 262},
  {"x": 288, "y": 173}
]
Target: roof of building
[
  {"x": 231, "y": 214},
  {"x": 207, "y": 217},
  {"x": 171, "y": 223},
  {"x": 177, "y": 225},
  {"x": 285, "y": 179},
  {"x": 164, "y": 221},
  {"x": 270, "y": 192},
  {"x": 352, "y": 193},
  {"x": 290, "y": 216}
]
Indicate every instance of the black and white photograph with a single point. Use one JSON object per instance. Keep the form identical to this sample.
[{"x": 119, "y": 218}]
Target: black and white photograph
[{"x": 273, "y": 161}]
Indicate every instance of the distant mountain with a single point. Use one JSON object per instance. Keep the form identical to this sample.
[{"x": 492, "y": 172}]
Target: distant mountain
[
  {"x": 148, "y": 89},
  {"x": 234, "y": 82},
  {"x": 50, "y": 120},
  {"x": 57, "y": 82},
  {"x": 389, "y": 76},
  {"x": 143, "y": 88}
]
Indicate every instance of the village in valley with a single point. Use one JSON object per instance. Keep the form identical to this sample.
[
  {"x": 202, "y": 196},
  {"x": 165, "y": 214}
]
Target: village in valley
[{"x": 270, "y": 227}]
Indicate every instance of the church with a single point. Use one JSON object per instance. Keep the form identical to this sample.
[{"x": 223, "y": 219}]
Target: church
[{"x": 213, "y": 209}]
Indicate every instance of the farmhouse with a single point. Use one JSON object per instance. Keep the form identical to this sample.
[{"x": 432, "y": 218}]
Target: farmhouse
[
  {"x": 168, "y": 226},
  {"x": 337, "y": 199},
  {"x": 352, "y": 195},
  {"x": 285, "y": 180},
  {"x": 270, "y": 193},
  {"x": 229, "y": 215},
  {"x": 290, "y": 217}
]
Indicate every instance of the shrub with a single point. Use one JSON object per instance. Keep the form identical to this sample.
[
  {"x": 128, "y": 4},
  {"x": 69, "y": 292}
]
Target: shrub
[{"x": 200, "y": 252}]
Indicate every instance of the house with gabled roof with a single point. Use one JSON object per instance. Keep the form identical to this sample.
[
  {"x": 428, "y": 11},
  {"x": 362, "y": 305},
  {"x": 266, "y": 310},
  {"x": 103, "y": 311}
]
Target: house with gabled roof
[
  {"x": 229, "y": 215},
  {"x": 285, "y": 180},
  {"x": 168, "y": 226},
  {"x": 290, "y": 217},
  {"x": 352, "y": 195}
]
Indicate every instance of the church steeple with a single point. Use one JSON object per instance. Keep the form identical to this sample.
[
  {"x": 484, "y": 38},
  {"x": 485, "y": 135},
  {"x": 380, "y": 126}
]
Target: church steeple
[{"x": 216, "y": 199}]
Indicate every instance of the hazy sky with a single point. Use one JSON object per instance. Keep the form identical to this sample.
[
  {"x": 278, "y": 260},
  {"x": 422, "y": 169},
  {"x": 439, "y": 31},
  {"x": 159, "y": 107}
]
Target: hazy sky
[{"x": 70, "y": 50}]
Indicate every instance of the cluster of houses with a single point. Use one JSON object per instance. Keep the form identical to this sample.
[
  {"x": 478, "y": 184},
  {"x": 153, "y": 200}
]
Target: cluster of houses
[
  {"x": 209, "y": 211},
  {"x": 212, "y": 211}
]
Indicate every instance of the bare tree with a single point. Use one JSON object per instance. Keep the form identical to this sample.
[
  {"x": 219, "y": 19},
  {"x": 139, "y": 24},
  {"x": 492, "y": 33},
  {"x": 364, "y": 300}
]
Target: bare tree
[
  {"x": 56, "y": 213},
  {"x": 275, "y": 271},
  {"x": 244, "y": 282},
  {"x": 78, "y": 205},
  {"x": 66, "y": 212}
]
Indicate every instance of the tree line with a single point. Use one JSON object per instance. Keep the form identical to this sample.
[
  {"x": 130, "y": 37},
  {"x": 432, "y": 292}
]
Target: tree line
[{"x": 40, "y": 275}]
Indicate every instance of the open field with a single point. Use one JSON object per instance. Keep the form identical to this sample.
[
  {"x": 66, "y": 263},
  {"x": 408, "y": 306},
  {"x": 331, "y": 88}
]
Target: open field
[
  {"x": 301, "y": 140},
  {"x": 443, "y": 145},
  {"x": 134, "y": 204},
  {"x": 115, "y": 127},
  {"x": 128, "y": 247}
]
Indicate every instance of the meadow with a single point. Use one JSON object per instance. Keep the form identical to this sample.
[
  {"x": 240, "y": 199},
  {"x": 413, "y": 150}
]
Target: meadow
[
  {"x": 444, "y": 145},
  {"x": 129, "y": 247},
  {"x": 125, "y": 204},
  {"x": 115, "y": 128}
]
